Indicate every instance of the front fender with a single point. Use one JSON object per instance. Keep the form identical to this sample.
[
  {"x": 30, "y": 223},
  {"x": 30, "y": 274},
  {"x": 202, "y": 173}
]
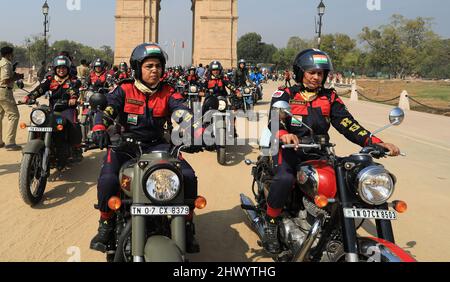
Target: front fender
[
  {"x": 33, "y": 147},
  {"x": 162, "y": 249},
  {"x": 382, "y": 250}
]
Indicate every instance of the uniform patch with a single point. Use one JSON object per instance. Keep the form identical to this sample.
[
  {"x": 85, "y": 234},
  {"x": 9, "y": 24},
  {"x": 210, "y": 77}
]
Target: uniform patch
[
  {"x": 132, "y": 119},
  {"x": 277, "y": 94},
  {"x": 297, "y": 102},
  {"x": 135, "y": 102},
  {"x": 297, "y": 120}
]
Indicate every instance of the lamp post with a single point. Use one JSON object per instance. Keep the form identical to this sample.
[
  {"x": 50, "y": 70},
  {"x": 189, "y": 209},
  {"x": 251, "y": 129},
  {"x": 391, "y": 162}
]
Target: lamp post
[
  {"x": 321, "y": 12},
  {"x": 45, "y": 9}
]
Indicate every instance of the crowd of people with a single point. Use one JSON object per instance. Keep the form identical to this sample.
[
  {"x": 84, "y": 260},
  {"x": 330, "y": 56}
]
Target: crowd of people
[{"x": 142, "y": 97}]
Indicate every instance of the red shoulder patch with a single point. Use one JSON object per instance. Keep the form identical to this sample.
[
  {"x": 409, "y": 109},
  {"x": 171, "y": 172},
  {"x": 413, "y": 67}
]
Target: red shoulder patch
[{"x": 277, "y": 94}]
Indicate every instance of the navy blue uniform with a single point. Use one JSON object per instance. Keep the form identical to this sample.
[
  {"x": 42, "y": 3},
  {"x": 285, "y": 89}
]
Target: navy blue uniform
[
  {"x": 142, "y": 117},
  {"x": 319, "y": 113},
  {"x": 62, "y": 89}
]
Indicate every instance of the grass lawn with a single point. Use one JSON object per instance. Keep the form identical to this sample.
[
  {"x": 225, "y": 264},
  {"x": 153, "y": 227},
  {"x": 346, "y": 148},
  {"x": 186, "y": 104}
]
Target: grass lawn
[
  {"x": 439, "y": 92},
  {"x": 431, "y": 93}
]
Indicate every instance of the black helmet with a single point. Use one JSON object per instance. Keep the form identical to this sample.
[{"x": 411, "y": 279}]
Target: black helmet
[
  {"x": 98, "y": 63},
  {"x": 192, "y": 68},
  {"x": 145, "y": 51},
  {"x": 242, "y": 61},
  {"x": 61, "y": 61},
  {"x": 98, "y": 101},
  {"x": 215, "y": 65},
  {"x": 312, "y": 59},
  {"x": 123, "y": 65}
]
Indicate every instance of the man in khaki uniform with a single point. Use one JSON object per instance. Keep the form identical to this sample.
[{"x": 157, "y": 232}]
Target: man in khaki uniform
[
  {"x": 83, "y": 70},
  {"x": 7, "y": 103}
]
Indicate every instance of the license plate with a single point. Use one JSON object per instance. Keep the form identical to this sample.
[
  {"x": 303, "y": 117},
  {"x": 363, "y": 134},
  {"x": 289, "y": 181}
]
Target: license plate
[
  {"x": 193, "y": 94},
  {"x": 370, "y": 214},
  {"x": 40, "y": 129},
  {"x": 159, "y": 210}
]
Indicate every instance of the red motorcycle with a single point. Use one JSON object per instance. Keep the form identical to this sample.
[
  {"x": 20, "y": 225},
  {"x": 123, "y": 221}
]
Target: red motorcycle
[{"x": 331, "y": 199}]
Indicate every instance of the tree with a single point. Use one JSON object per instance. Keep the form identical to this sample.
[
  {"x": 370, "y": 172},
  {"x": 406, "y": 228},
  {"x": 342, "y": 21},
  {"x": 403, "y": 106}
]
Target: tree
[
  {"x": 299, "y": 44},
  {"x": 401, "y": 47},
  {"x": 434, "y": 60},
  {"x": 284, "y": 57},
  {"x": 20, "y": 53},
  {"x": 251, "y": 48},
  {"x": 36, "y": 49},
  {"x": 339, "y": 46}
]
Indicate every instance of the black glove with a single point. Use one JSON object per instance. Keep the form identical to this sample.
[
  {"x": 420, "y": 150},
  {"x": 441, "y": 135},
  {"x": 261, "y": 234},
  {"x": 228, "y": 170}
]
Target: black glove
[{"x": 100, "y": 137}]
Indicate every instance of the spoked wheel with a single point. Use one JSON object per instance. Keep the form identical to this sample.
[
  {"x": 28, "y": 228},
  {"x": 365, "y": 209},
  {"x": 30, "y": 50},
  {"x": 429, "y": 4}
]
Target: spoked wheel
[{"x": 32, "y": 181}]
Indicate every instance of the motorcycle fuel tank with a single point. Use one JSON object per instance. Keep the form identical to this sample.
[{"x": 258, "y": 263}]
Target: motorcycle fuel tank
[{"x": 317, "y": 177}]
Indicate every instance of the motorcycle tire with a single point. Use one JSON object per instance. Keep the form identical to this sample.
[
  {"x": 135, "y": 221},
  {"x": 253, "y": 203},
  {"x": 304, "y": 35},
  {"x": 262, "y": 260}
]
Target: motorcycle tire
[
  {"x": 221, "y": 149},
  {"x": 221, "y": 155},
  {"x": 30, "y": 163}
]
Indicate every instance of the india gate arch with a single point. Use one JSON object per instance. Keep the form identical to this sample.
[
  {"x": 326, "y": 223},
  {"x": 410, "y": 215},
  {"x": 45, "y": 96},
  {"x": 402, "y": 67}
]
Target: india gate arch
[{"x": 214, "y": 29}]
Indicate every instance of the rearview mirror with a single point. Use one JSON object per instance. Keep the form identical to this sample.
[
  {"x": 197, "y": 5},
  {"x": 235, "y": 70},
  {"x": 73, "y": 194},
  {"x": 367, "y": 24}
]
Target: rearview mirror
[
  {"x": 20, "y": 84},
  {"x": 281, "y": 105},
  {"x": 396, "y": 116}
]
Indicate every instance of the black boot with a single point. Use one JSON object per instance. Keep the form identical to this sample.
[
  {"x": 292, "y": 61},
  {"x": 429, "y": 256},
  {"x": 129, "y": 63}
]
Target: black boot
[
  {"x": 192, "y": 245},
  {"x": 105, "y": 231},
  {"x": 270, "y": 239}
]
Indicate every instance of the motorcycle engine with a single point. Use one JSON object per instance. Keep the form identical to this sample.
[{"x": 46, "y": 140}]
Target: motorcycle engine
[
  {"x": 290, "y": 232},
  {"x": 293, "y": 231}
]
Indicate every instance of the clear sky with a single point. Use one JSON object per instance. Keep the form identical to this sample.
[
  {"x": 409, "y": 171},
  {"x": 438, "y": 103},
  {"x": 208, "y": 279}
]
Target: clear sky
[{"x": 275, "y": 20}]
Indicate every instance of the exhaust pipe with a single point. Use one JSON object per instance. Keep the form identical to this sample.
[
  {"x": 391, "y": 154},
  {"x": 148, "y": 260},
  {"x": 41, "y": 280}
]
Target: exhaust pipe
[
  {"x": 304, "y": 249},
  {"x": 255, "y": 219}
]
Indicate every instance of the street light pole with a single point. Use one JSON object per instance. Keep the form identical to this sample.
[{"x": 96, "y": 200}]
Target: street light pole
[
  {"x": 45, "y": 9},
  {"x": 321, "y": 12}
]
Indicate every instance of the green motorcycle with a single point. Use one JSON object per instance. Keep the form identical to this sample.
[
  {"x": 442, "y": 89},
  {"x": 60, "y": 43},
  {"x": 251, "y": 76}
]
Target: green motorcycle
[{"x": 151, "y": 209}]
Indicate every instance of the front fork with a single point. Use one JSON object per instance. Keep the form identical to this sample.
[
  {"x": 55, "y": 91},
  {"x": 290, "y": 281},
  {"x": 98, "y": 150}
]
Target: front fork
[
  {"x": 46, "y": 156},
  {"x": 349, "y": 237},
  {"x": 384, "y": 227}
]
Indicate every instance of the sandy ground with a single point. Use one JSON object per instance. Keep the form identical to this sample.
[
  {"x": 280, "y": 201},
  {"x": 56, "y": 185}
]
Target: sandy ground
[{"x": 61, "y": 228}]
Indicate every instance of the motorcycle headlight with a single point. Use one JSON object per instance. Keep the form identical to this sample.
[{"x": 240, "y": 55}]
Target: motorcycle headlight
[
  {"x": 163, "y": 185},
  {"x": 222, "y": 105},
  {"x": 193, "y": 89},
  {"x": 247, "y": 90},
  {"x": 375, "y": 185},
  {"x": 38, "y": 117}
]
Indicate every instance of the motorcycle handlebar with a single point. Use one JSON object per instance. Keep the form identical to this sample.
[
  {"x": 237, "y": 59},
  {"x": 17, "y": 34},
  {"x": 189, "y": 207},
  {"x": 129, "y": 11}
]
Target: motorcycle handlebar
[
  {"x": 293, "y": 146},
  {"x": 377, "y": 151},
  {"x": 30, "y": 103}
]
